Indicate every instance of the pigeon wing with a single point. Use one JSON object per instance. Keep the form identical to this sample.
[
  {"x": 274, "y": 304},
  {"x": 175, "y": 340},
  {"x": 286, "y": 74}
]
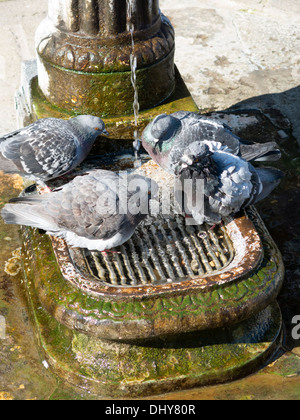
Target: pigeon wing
[
  {"x": 89, "y": 206},
  {"x": 265, "y": 152},
  {"x": 236, "y": 184},
  {"x": 86, "y": 206},
  {"x": 199, "y": 128},
  {"x": 44, "y": 150},
  {"x": 49, "y": 158}
]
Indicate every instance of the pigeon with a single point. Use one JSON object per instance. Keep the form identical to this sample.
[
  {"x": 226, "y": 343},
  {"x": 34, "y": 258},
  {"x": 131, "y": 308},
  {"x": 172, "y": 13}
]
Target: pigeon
[
  {"x": 226, "y": 184},
  {"x": 167, "y": 136},
  {"x": 98, "y": 211},
  {"x": 50, "y": 147}
]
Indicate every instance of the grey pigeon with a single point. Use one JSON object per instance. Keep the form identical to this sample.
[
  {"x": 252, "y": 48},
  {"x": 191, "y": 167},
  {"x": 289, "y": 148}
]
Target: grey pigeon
[
  {"x": 229, "y": 183},
  {"x": 167, "y": 136},
  {"x": 97, "y": 211},
  {"x": 50, "y": 147}
]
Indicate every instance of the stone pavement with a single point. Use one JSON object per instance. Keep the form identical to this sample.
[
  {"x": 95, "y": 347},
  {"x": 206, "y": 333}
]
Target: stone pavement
[
  {"x": 240, "y": 54},
  {"x": 229, "y": 52},
  {"x": 226, "y": 53}
]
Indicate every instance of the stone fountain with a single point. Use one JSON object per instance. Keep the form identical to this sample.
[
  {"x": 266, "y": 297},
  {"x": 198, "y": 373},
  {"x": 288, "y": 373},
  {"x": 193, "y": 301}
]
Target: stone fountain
[
  {"x": 83, "y": 63},
  {"x": 179, "y": 306}
]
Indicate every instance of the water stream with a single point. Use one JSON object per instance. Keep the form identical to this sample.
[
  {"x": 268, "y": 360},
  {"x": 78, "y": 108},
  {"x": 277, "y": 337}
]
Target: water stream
[{"x": 133, "y": 65}]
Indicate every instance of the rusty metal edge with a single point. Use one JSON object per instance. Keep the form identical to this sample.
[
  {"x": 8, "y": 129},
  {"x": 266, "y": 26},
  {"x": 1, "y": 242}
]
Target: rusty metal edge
[{"x": 240, "y": 230}]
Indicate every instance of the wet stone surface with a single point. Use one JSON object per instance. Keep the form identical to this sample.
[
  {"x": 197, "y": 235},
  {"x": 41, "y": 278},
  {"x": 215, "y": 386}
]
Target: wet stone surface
[
  {"x": 225, "y": 60},
  {"x": 22, "y": 376}
]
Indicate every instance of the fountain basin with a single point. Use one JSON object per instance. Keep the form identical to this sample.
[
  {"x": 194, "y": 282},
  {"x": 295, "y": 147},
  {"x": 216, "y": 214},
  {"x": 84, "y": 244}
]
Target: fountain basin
[
  {"x": 133, "y": 342},
  {"x": 79, "y": 301},
  {"x": 179, "y": 306},
  {"x": 123, "y": 325},
  {"x": 106, "y": 334}
]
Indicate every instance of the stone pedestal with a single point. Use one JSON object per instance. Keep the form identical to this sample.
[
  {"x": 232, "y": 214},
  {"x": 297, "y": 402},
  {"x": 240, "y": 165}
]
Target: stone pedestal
[
  {"x": 138, "y": 341},
  {"x": 84, "y": 50},
  {"x": 83, "y": 66},
  {"x": 182, "y": 330}
]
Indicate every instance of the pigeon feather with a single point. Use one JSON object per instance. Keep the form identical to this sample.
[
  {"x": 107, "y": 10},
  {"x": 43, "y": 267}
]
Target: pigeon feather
[
  {"x": 230, "y": 183},
  {"x": 167, "y": 136},
  {"x": 50, "y": 147},
  {"x": 88, "y": 212}
]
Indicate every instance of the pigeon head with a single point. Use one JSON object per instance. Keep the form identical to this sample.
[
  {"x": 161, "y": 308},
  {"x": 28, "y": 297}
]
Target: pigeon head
[
  {"x": 197, "y": 149},
  {"x": 196, "y": 154},
  {"x": 90, "y": 127},
  {"x": 163, "y": 127},
  {"x": 158, "y": 137},
  {"x": 198, "y": 159}
]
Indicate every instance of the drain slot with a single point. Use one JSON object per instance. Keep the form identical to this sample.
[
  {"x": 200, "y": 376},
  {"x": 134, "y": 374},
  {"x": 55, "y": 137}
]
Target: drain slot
[
  {"x": 164, "y": 248},
  {"x": 162, "y": 251}
]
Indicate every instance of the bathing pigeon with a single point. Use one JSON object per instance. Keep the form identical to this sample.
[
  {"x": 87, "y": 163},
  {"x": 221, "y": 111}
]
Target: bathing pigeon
[
  {"x": 98, "y": 211},
  {"x": 226, "y": 183},
  {"x": 167, "y": 136},
  {"x": 50, "y": 147}
]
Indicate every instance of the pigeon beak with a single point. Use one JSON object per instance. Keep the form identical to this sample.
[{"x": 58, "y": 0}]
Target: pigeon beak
[
  {"x": 156, "y": 143},
  {"x": 102, "y": 131}
]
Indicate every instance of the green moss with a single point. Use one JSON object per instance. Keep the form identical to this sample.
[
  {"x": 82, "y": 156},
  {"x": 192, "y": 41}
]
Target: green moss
[
  {"x": 121, "y": 127},
  {"x": 198, "y": 308},
  {"x": 120, "y": 369}
]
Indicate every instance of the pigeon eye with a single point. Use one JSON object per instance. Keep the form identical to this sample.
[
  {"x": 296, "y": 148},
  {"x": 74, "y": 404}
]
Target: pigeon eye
[{"x": 97, "y": 129}]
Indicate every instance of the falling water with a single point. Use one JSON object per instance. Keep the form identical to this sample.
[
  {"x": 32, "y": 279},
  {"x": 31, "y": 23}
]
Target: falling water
[{"x": 133, "y": 66}]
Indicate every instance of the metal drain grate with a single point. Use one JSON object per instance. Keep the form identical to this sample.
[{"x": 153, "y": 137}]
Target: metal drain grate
[{"x": 161, "y": 251}]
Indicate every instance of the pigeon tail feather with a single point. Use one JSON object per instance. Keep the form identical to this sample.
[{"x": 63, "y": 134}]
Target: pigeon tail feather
[
  {"x": 270, "y": 179},
  {"x": 25, "y": 215},
  {"x": 257, "y": 152}
]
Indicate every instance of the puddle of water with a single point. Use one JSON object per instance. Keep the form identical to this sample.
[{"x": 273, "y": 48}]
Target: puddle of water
[
  {"x": 21, "y": 376},
  {"x": 10, "y": 186}
]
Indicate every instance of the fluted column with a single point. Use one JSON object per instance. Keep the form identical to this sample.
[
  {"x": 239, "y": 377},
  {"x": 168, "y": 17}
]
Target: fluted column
[
  {"x": 64, "y": 14},
  {"x": 105, "y": 16},
  {"x": 83, "y": 45}
]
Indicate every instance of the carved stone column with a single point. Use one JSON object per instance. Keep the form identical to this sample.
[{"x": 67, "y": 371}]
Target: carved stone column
[{"x": 84, "y": 49}]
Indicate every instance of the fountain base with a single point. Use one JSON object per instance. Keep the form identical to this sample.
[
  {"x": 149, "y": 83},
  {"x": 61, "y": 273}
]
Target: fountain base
[
  {"x": 149, "y": 367},
  {"x": 152, "y": 338},
  {"x": 138, "y": 341},
  {"x": 32, "y": 105}
]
